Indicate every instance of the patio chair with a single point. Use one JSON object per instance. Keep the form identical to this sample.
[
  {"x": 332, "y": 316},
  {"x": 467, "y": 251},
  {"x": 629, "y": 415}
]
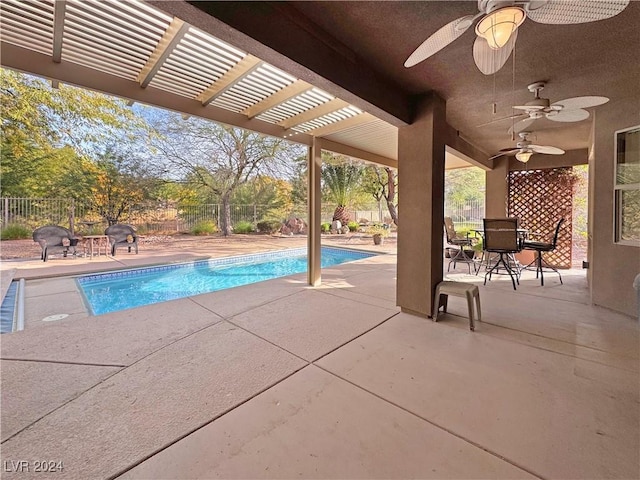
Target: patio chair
[
  {"x": 121, "y": 234},
  {"x": 539, "y": 248},
  {"x": 501, "y": 237},
  {"x": 457, "y": 240},
  {"x": 54, "y": 238}
]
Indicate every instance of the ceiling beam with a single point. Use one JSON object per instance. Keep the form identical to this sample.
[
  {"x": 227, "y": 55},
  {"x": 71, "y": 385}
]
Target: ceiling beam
[
  {"x": 234, "y": 75},
  {"x": 316, "y": 112},
  {"x": 287, "y": 93},
  {"x": 454, "y": 139},
  {"x": 58, "y": 29},
  {"x": 342, "y": 125},
  {"x": 349, "y": 151},
  {"x": 170, "y": 39}
]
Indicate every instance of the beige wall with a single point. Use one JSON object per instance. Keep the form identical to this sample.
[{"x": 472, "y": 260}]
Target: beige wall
[
  {"x": 421, "y": 147},
  {"x": 613, "y": 266},
  {"x": 497, "y": 189}
]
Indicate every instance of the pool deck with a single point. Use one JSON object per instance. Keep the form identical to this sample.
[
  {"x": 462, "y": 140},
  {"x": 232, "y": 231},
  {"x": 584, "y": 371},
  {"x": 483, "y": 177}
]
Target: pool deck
[{"x": 281, "y": 380}]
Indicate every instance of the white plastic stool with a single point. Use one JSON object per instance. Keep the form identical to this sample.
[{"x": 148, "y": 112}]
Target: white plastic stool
[{"x": 457, "y": 289}]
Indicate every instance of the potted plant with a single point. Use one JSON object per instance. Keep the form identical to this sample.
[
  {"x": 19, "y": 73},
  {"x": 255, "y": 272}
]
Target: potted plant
[
  {"x": 378, "y": 232},
  {"x": 477, "y": 248}
]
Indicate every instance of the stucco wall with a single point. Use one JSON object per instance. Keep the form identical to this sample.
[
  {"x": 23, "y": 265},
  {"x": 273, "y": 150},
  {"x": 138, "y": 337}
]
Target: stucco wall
[{"x": 614, "y": 266}]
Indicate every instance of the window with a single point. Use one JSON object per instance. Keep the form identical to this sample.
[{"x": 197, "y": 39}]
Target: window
[{"x": 627, "y": 186}]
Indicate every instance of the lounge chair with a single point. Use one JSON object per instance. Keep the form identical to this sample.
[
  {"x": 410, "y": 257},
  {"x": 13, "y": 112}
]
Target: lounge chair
[
  {"x": 122, "y": 235},
  {"x": 53, "y": 238}
]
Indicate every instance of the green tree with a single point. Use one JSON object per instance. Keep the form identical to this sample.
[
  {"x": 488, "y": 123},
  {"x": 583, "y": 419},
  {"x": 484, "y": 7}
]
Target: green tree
[
  {"x": 341, "y": 178},
  {"x": 120, "y": 183},
  {"x": 49, "y": 135},
  {"x": 465, "y": 184},
  {"x": 220, "y": 158},
  {"x": 382, "y": 184},
  {"x": 271, "y": 195}
]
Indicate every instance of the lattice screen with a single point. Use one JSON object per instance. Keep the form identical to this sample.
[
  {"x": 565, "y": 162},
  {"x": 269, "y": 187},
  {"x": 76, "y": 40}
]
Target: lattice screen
[{"x": 540, "y": 198}]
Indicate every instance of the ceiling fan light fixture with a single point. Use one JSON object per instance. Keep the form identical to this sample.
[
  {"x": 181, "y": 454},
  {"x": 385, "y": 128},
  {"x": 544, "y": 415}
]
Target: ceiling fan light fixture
[
  {"x": 524, "y": 155},
  {"x": 498, "y": 26}
]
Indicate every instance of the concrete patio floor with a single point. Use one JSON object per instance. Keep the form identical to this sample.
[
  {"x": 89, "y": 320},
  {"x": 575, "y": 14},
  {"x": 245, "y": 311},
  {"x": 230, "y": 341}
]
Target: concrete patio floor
[{"x": 281, "y": 380}]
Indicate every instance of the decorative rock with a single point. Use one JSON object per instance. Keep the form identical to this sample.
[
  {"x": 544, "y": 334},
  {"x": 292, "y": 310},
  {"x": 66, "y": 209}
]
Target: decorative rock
[{"x": 293, "y": 226}]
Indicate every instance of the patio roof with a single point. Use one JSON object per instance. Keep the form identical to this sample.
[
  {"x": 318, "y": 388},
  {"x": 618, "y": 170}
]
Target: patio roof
[{"x": 95, "y": 44}]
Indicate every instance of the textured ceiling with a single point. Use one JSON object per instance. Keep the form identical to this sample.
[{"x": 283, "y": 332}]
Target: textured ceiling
[{"x": 598, "y": 58}]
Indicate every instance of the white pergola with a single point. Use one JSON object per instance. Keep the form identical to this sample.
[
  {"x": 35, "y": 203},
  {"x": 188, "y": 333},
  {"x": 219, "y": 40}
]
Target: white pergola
[{"x": 136, "y": 51}]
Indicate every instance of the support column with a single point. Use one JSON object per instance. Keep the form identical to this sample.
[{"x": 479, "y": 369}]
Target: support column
[
  {"x": 314, "y": 198},
  {"x": 421, "y": 149},
  {"x": 497, "y": 192}
]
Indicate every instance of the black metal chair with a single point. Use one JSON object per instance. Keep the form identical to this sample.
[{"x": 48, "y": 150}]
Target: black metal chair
[
  {"x": 501, "y": 237},
  {"x": 459, "y": 241},
  {"x": 540, "y": 248}
]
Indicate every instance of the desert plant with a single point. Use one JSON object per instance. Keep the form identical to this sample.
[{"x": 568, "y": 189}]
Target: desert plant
[
  {"x": 206, "y": 227},
  {"x": 15, "y": 231},
  {"x": 378, "y": 230},
  {"x": 243, "y": 227},
  {"x": 353, "y": 226},
  {"x": 269, "y": 226},
  {"x": 325, "y": 227}
]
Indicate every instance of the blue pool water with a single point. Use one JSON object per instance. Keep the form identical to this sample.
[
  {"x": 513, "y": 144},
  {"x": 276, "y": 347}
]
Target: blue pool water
[
  {"x": 110, "y": 292},
  {"x": 7, "y": 309}
]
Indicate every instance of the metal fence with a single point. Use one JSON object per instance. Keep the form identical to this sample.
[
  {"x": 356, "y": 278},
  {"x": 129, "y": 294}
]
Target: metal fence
[
  {"x": 148, "y": 218},
  {"x": 33, "y": 212},
  {"x": 465, "y": 215}
]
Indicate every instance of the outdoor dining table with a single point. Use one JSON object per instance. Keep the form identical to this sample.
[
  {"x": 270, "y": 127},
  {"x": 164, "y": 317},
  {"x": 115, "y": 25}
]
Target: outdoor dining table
[{"x": 523, "y": 233}]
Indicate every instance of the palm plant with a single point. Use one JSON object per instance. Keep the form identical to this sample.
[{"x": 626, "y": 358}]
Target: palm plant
[{"x": 342, "y": 181}]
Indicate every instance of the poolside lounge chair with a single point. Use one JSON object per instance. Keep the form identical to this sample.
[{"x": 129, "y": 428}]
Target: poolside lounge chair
[
  {"x": 53, "y": 238},
  {"x": 121, "y": 234}
]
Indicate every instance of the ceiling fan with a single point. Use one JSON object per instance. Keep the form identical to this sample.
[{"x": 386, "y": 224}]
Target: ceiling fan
[
  {"x": 524, "y": 149},
  {"x": 498, "y": 28},
  {"x": 567, "y": 110}
]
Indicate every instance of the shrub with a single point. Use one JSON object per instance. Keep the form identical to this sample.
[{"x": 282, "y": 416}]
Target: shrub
[
  {"x": 144, "y": 229},
  {"x": 243, "y": 227},
  {"x": 325, "y": 227},
  {"x": 15, "y": 231},
  {"x": 269, "y": 226},
  {"x": 378, "y": 230},
  {"x": 353, "y": 226},
  {"x": 206, "y": 227}
]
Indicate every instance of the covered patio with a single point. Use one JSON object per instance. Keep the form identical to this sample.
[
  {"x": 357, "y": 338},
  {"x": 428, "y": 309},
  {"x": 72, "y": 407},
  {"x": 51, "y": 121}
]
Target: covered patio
[
  {"x": 312, "y": 72},
  {"x": 282, "y": 380},
  {"x": 337, "y": 373}
]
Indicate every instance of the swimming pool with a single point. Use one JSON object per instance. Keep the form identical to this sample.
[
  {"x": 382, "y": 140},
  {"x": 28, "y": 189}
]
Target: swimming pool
[{"x": 121, "y": 290}]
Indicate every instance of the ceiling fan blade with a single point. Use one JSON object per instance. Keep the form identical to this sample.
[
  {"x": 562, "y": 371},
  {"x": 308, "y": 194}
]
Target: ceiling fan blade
[
  {"x": 527, "y": 108},
  {"x": 563, "y": 12},
  {"x": 580, "y": 102},
  {"x": 521, "y": 125},
  {"x": 505, "y": 151},
  {"x": 439, "y": 40},
  {"x": 510, "y": 117},
  {"x": 489, "y": 61},
  {"x": 568, "y": 115},
  {"x": 547, "y": 150}
]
